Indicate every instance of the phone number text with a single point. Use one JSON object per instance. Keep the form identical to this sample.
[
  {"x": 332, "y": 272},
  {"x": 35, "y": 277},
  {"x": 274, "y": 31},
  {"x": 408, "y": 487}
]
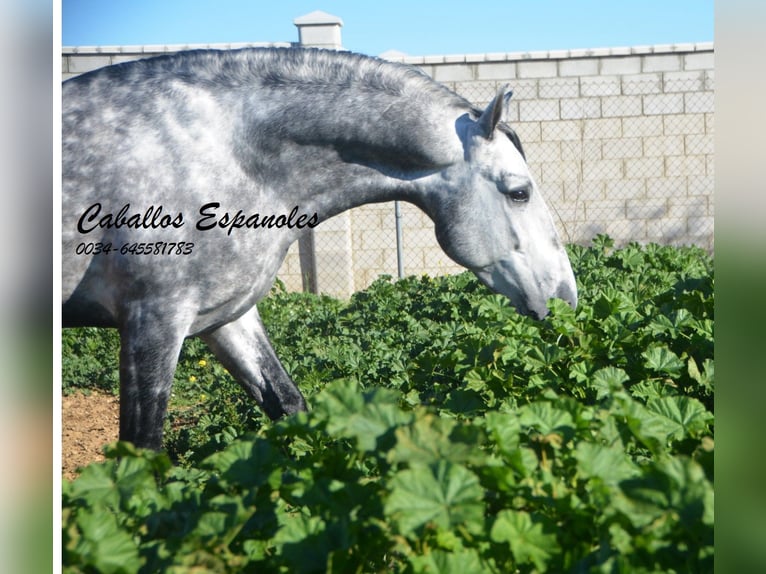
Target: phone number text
[{"x": 156, "y": 248}]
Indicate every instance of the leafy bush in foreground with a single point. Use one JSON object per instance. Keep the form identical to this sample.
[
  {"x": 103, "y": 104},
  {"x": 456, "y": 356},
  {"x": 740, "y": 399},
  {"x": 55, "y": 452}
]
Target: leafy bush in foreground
[{"x": 447, "y": 434}]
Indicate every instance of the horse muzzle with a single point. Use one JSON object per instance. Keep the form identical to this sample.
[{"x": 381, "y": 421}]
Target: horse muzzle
[{"x": 529, "y": 297}]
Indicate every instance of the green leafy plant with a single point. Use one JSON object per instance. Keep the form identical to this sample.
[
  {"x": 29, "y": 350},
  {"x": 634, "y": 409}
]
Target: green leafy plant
[{"x": 446, "y": 434}]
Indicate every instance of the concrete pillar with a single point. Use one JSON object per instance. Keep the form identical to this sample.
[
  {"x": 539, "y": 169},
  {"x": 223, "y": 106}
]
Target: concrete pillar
[
  {"x": 319, "y": 30},
  {"x": 325, "y": 252}
]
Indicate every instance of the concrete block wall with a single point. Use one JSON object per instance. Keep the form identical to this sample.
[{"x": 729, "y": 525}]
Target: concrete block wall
[
  {"x": 620, "y": 141},
  {"x": 76, "y": 60}
]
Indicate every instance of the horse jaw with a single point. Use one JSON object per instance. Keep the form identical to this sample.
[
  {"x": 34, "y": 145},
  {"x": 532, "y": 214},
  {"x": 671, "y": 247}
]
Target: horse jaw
[{"x": 528, "y": 293}]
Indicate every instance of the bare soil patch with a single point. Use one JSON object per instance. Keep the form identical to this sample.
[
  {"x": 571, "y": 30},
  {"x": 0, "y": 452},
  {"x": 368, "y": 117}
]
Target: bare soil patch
[{"x": 88, "y": 422}]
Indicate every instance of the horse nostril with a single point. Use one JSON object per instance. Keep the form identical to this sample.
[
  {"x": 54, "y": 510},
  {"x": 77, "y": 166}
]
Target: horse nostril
[{"x": 568, "y": 294}]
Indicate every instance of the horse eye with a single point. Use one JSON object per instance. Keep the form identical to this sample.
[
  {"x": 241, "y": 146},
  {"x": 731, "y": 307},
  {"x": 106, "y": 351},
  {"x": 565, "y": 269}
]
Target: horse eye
[{"x": 519, "y": 195}]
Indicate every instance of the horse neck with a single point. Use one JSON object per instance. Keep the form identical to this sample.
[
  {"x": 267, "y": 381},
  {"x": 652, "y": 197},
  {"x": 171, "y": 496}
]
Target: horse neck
[{"x": 338, "y": 157}]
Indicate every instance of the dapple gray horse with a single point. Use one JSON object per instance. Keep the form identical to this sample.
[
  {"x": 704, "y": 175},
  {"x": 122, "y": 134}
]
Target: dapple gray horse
[{"x": 187, "y": 177}]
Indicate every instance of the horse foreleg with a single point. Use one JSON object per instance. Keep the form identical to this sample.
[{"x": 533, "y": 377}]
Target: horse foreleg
[
  {"x": 149, "y": 348},
  {"x": 244, "y": 349}
]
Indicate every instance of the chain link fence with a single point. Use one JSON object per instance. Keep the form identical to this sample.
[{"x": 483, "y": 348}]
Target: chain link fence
[
  {"x": 619, "y": 143},
  {"x": 633, "y": 158},
  {"x": 628, "y": 157}
]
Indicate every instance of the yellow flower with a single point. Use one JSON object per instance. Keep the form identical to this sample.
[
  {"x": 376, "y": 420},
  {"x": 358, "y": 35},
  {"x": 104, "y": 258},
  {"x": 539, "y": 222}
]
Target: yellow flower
[
  {"x": 192, "y": 378},
  {"x": 202, "y": 397},
  {"x": 202, "y": 362}
]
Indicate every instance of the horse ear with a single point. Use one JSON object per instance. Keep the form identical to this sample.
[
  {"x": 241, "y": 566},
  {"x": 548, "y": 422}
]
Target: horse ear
[
  {"x": 488, "y": 120},
  {"x": 507, "y": 101}
]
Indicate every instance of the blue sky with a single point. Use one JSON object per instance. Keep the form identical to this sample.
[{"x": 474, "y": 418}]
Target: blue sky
[{"x": 415, "y": 27}]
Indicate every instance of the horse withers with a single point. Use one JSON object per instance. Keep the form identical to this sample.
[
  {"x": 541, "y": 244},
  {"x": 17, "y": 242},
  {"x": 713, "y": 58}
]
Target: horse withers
[{"x": 186, "y": 178}]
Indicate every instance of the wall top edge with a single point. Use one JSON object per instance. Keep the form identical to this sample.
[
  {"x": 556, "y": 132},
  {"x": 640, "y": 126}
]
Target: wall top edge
[
  {"x": 657, "y": 49},
  {"x": 162, "y": 48}
]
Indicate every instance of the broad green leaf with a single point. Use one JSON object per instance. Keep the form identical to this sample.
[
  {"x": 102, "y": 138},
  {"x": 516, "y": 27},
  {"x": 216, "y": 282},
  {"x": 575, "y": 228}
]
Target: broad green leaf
[
  {"x": 671, "y": 326},
  {"x": 224, "y": 519},
  {"x": 443, "y": 493},
  {"x": 704, "y": 377},
  {"x": 631, "y": 258},
  {"x": 212, "y": 525},
  {"x": 672, "y": 487},
  {"x": 579, "y": 372},
  {"x": 366, "y": 426},
  {"x": 364, "y": 416},
  {"x": 562, "y": 317},
  {"x": 613, "y": 303},
  {"x": 608, "y": 381},
  {"x": 652, "y": 429},
  {"x": 430, "y": 439},
  {"x": 688, "y": 412},
  {"x": 524, "y": 461},
  {"x": 255, "y": 549},
  {"x": 504, "y": 430},
  {"x": 663, "y": 360},
  {"x": 304, "y": 543},
  {"x": 96, "y": 485},
  {"x": 666, "y": 418},
  {"x": 546, "y": 419},
  {"x": 660, "y": 325},
  {"x": 525, "y": 536},
  {"x": 245, "y": 463},
  {"x": 609, "y": 463},
  {"x": 104, "y": 545},
  {"x": 134, "y": 474},
  {"x": 683, "y": 318},
  {"x": 476, "y": 379},
  {"x": 620, "y": 539},
  {"x": 541, "y": 357},
  {"x": 465, "y": 401},
  {"x": 651, "y": 389},
  {"x": 692, "y": 491},
  {"x": 158, "y": 461},
  {"x": 463, "y": 561},
  {"x": 296, "y": 527}
]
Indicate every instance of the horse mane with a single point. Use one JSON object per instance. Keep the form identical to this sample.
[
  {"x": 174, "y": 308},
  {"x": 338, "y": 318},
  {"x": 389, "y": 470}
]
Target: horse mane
[
  {"x": 284, "y": 67},
  {"x": 309, "y": 69}
]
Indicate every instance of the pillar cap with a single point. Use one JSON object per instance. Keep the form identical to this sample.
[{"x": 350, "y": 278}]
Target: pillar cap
[{"x": 317, "y": 18}]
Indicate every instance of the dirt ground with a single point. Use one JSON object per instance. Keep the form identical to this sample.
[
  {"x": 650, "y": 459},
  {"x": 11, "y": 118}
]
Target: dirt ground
[{"x": 88, "y": 422}]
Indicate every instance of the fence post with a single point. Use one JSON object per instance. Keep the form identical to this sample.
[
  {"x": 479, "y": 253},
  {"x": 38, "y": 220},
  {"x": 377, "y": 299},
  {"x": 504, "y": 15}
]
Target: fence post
[
  {"x": 325, "y": 252},
  {"x": 399, "y": 242}
]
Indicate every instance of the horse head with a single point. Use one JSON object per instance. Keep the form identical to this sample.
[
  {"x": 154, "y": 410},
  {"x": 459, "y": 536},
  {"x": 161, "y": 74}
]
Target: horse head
[{"x": 492, "y": 219}]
